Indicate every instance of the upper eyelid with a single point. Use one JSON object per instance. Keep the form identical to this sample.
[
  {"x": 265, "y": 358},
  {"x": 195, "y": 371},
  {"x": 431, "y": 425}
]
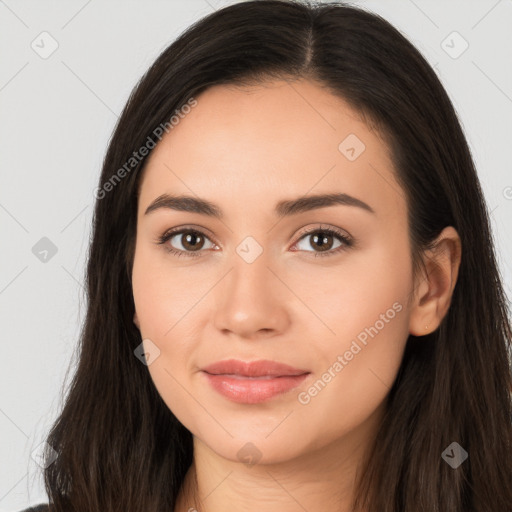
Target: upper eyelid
[{"x": 337, "y": 231}]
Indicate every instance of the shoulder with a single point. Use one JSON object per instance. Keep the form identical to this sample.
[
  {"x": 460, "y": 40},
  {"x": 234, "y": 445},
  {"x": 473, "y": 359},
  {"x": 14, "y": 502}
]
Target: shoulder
[{"x": 38, "y": 508}]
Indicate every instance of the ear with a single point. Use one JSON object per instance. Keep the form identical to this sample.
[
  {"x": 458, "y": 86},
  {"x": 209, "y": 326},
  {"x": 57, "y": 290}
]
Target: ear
[
  {"x": 136, "y": 320},
  {"x": 434, "y": 289}
]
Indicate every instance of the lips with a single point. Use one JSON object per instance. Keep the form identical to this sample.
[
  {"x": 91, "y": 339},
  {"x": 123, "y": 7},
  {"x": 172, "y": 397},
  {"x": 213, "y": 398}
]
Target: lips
[
  {"x": 261, "y": 368},
  {"x": 253, "y": 382}
]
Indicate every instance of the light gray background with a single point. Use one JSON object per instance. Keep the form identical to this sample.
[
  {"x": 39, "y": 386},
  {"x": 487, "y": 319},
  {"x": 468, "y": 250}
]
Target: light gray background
[{"x": 57, "y": 115}]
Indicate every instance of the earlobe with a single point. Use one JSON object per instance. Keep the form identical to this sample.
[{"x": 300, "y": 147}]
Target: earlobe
[
  {"x": 435, "y": 288},
  {"x": 136, "y": 320}
]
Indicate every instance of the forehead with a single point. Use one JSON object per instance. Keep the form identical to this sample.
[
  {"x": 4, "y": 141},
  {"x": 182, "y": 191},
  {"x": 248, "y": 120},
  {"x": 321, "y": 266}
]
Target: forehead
[{"x": 269, "y": 141}]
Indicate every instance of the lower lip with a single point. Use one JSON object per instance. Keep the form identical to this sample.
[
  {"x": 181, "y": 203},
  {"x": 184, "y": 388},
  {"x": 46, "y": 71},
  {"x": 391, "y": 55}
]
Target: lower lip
[{"x": 247, "y": 390}]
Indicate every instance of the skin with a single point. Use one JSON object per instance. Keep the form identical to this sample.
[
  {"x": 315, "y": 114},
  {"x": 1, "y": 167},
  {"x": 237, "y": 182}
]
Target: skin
[{"x": 245, "y": 149}]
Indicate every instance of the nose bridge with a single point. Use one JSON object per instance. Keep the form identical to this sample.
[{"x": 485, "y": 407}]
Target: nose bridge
[
  {"x": 250, "y": 260},
  {"x": 251, "y": 297},
  {"x": 250, "y": 275}
]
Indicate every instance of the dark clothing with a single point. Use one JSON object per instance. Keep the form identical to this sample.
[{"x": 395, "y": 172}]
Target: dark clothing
[{"x": 38, "y": 508}]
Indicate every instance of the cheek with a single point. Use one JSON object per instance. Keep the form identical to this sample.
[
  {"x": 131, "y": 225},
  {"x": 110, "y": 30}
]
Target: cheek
[
  {"x": 354, "y": 373},
  {"x": 356, "y": 376},
  {"x": 163, "y": 295},
  {"x": 163, "y": 313},
  {"x": 166, "y": 301},
  {"x": 366, "y": 287},
  {"x": 363, "y": 309}
]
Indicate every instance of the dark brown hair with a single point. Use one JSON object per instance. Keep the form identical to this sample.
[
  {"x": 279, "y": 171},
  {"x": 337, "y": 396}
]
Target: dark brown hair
[{"x": 119, "y": 446}]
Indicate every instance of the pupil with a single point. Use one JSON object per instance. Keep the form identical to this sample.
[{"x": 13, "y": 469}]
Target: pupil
[
  {"x": 321, "y": 241},
  {"x": 192, "y": 237}
]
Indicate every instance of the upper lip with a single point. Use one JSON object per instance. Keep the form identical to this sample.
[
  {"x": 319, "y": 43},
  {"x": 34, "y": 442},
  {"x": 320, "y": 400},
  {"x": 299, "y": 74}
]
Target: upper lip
[{"x": 252, "y": 368}]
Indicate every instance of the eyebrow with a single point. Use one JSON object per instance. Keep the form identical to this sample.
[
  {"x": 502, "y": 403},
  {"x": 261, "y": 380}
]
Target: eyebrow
[{"x": 283, "y": 208}]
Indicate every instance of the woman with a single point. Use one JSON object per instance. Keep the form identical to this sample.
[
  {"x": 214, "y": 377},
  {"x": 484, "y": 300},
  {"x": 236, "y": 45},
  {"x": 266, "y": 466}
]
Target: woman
[{"x": 294, "y": 301}]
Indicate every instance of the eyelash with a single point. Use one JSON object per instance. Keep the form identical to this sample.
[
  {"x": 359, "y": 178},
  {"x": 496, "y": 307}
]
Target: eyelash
[{"x": 347, "y": 241}]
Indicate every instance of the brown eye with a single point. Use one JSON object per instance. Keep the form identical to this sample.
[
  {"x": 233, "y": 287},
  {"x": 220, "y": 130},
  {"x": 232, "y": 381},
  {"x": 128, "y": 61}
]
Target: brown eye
[
  {"x": 186, "y": 242},
  {"x": 191, "y": 241},
  {"x": 323, "y": 241}
]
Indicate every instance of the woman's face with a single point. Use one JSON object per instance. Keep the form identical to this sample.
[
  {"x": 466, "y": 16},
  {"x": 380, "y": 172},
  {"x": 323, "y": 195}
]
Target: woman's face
[{"x": 262, "y": 280}]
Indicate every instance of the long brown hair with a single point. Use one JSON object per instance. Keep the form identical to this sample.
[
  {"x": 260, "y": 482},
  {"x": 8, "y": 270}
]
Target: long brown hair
[{"x": 119, "y": 446}]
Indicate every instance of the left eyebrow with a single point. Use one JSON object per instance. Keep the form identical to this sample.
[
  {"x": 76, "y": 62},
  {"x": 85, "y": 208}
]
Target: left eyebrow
[
  {"x": 283, "y": 208},
  {"x": 306, "y": 203}
]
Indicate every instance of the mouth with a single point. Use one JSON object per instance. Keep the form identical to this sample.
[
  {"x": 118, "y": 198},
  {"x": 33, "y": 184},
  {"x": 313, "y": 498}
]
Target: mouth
[{"x": 254, "y": 381}]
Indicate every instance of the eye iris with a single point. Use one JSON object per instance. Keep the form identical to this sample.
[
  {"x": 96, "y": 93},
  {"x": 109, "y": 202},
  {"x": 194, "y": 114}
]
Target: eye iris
[
  {"x": 190, "y": 237},
  {"x": 321, "y": 241}
]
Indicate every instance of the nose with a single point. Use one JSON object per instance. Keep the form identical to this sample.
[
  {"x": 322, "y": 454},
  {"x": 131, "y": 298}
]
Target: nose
[{"x": 252, "y": 300}]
